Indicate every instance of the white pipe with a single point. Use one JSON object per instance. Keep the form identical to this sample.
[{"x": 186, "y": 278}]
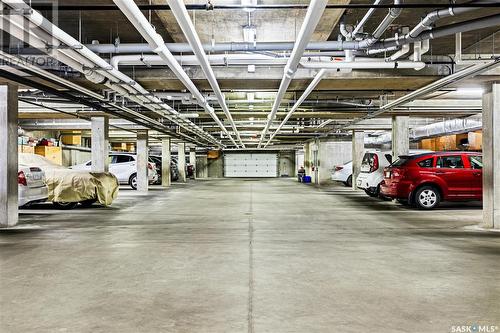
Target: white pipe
[
  {"x": 313, "y": 15},
  {"x": 80, "y": 52},
  {"x": 405, "y": 64},
  {"x": 419, "y": 48},
  {"x": 365, "y": 18},
  {"x": 192, "y": 60},
  {"x": 137, "y": 18},
  {"x": 302, "y": 98},
  {"x": 180, "y": 12},
  {"x": 404, "y": 50}
]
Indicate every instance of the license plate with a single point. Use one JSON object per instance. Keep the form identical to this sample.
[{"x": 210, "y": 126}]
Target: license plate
[{"x": 37, "y": 176}]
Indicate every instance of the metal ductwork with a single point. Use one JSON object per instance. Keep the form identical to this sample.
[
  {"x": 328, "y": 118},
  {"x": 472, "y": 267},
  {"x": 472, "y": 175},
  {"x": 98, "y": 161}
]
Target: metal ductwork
[{"x": 447, "y": 127}]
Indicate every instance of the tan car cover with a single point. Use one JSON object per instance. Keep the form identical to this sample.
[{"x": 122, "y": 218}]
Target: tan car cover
[{"x": 66, "y": 185}]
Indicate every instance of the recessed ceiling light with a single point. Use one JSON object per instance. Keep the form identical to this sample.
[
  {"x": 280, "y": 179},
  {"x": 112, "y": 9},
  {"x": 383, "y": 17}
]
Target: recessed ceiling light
[{"x": 246, "y": 4}]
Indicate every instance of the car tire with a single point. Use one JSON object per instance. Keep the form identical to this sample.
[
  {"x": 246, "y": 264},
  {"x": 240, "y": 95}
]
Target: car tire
[
  {"x": 65, "y": 205},
  {"x": 427, "y": 197},
  {"x": 132, "y": 181},
  {"x": 88, "y": 203},
  {"x": 348, "y": 183}
]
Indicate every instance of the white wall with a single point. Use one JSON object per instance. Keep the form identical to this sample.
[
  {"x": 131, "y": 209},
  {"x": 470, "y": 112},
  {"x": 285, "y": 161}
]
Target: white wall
[{"x": 331, "y": 154}]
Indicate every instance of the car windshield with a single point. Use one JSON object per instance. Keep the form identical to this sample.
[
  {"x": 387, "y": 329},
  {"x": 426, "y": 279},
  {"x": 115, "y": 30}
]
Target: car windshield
[{"x": 401, "y": 161}]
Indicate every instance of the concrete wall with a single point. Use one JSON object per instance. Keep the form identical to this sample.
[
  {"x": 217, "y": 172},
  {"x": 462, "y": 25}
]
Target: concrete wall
[
  {"x": 201, "y": 166},
  {"x": 286, "y": 164},
  {"x": 215, "y": 167},
  {"x": 331, "y": 154}
]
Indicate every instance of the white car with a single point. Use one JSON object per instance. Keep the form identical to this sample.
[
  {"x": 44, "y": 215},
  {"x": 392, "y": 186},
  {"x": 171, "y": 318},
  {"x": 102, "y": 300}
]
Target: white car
[
  {"x": 343, "y": 174},
  {"x": 31, "y": 185},
  {"x": 372, "y": 170},
  {"x": 124, "y": 167}
]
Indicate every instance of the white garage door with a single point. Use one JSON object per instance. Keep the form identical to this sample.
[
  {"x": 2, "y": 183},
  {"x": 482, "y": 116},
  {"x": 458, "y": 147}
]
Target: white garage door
[{"x": 250, "y": 165}]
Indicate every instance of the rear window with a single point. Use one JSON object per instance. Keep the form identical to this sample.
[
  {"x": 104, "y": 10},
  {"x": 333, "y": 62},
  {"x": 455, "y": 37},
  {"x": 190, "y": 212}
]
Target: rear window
[
  {"x": 427, "y": 163},
  {"x": 368, "y": 159},
  {"x": 402, "y": 160}
]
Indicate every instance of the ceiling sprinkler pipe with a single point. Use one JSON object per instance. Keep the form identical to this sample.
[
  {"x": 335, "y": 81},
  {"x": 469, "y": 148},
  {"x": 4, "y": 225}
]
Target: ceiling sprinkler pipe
[
  {"x": 405, "y": 64},
  {"x": 179, "y": 10},
  {"x": 137, "y": 18},
  {"x": 313, "y": 15}
]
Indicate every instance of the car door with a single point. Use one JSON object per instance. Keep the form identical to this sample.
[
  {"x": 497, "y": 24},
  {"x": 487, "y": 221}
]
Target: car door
[
  {"x": 451, "y": 169},
  {"x": 476, "y": 176},
  {"x": 122, "y": 166}
]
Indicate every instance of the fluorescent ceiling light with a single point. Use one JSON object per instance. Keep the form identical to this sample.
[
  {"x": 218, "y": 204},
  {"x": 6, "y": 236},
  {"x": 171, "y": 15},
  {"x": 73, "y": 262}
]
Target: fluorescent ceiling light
[
  {"x": 470, "y": 91},
  {"x": 248, "y": 3}
]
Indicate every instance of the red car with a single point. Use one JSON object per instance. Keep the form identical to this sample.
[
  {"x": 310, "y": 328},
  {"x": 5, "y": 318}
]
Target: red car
[{"x": 425, "y": 180}]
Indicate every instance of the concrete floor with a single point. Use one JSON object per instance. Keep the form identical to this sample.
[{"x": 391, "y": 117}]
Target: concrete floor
[{"x": 248, "y": 256}]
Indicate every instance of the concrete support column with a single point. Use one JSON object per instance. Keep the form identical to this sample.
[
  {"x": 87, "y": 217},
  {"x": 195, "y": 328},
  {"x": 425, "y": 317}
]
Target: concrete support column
[
  {"x": 400, "y": 136},
  {"x": 8, "y": 156},
  {"x": 491, "y": 157},
  {"x": 192, "y": 160},
  {"x": 100, "y": 144},
  {"x": 142, "y": 161},
  {"x": 165, "y": 162},
  {"x": 358, "y": 151},
  {"x": 181, "y": 161}
]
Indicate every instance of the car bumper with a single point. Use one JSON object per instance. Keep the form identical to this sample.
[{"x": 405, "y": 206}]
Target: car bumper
[
  {"x": 339, "y": 177},
  {"x": 28, "y": 195},
  {"x": 362, "y": 181},
  {"x": 396, "y": 190}
]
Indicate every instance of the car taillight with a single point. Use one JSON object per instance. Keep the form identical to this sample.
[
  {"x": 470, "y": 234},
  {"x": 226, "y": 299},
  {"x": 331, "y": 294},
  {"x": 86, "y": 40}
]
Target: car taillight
[
  {"x": 398, "y": 173},
  {"x": 21, "y": 178},
  {"x": 338, "y": 168},
  {"x": 374, "y": 166}
]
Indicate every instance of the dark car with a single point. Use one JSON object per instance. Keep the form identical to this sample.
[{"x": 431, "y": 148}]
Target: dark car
[
  {"x": 174, "y": 171},
  {"x": 427, "y": 179}
]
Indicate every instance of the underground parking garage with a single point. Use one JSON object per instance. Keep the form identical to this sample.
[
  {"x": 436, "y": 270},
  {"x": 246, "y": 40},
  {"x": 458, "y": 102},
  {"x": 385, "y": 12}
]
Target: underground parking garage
[{"x": 250, "y": 166}]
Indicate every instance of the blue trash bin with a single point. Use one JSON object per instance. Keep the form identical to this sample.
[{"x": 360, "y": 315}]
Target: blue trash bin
[{"x": 306, "y": 179}]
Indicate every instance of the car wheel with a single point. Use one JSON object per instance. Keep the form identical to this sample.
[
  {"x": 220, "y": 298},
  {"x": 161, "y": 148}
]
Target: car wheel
[
  {"x": 133, "y": 181},
  {"x": 65, "y": 205},
  {"x": 88, "y": 203},
  {"x": 427, "y": 197},
  {"x": 348, "y": 183}
]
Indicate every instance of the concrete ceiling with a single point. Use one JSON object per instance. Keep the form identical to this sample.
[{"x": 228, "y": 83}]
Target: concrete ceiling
[
  {"x": 271, "y": 25},
  {"x": 225, "y": 25}
]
